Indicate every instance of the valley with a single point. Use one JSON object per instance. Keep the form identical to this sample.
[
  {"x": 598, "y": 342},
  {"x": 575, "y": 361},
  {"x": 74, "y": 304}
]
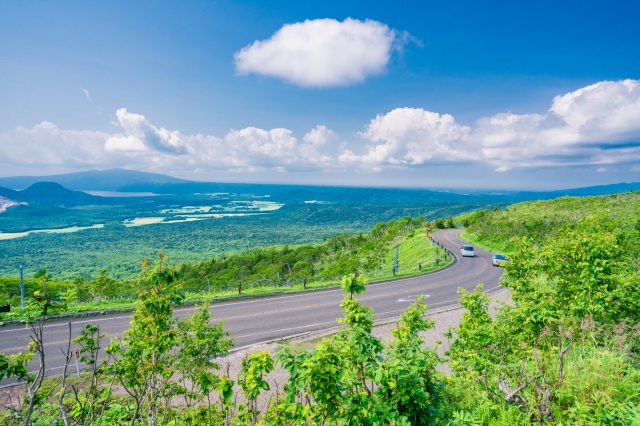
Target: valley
[{"x": 75, "y": 234}]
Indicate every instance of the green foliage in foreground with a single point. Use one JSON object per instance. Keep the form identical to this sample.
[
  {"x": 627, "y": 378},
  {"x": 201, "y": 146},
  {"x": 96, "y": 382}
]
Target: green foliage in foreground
[
  {"x": 568, "y": 350},
  {"x": 350, "y": 378}
]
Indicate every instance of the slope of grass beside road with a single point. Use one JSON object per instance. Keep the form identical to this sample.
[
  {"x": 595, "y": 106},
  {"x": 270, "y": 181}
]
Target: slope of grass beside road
[
  {"x": 416, "y": 255},
  {"x": 539, "y": 219}
]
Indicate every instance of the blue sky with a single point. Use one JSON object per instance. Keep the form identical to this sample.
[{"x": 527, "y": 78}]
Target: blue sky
[{"x": 458, "y": 94}]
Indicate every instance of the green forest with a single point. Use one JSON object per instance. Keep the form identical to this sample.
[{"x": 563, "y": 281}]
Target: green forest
[
  {"x": 120, "y": 249},
  {"x": 565, "y": 351}
]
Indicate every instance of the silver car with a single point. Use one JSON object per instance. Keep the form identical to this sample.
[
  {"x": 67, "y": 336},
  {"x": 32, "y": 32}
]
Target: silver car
[{"x": 467, "y": 251}]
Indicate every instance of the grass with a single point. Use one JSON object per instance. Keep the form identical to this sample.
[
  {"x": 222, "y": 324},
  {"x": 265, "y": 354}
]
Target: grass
[{"x": 416, "y": 256}]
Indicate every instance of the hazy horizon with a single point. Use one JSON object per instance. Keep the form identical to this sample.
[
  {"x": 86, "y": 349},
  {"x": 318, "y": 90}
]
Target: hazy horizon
[{"x": 441, "y": 189}]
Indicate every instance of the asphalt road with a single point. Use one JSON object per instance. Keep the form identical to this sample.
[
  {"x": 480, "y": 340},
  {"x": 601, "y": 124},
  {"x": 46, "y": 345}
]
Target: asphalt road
[{"x": 264, "y": 319}]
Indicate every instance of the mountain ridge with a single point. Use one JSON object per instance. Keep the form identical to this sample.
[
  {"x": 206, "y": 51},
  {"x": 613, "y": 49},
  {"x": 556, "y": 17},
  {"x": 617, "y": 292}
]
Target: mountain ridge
[
  {"x": 92, "y": 180},
  {"x": 51, "y": 193},
  {"x": 124, "y": 180}
]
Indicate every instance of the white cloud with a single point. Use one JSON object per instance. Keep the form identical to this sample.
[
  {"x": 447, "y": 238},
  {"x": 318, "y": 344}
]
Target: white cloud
[
  {"x": 141, "y": 135},
  {"x": 252, "y": 149},
  {"x": 87, "y": 94},
  {"x": 411, "y": 136},
  {"x": 320, "y": 135},
  {"x": 46, "y": 145},
  {"x": 141, "y": 144},
  {"x": 605, "y": 112},
  {"x": 322, "y": 52},
  {"x": 594, "y": 126}
]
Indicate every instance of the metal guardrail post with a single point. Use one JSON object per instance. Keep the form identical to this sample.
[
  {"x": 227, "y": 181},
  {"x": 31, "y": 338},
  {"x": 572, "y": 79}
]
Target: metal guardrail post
[
  {"x": 396, "y": 264},
  {"x": 22, "y": 285}
]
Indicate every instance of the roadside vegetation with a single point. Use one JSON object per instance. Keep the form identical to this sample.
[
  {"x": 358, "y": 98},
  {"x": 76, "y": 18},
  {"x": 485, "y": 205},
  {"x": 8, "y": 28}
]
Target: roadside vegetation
[{"x": 566, "y": 351}]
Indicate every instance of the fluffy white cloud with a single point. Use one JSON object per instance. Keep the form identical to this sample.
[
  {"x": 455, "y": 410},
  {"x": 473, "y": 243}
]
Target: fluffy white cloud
[
  {"x": 594, "y": 125},
  {"x": 253, "y": 149},
  {"x": 411, "y": 136},
  {"x": 45, "y": 146},
  {"x": 605, "y": 112},
  {"x": 141, "y": 135},
  {"x": 144, "y": 145},
  {"x": 321, "y": 135},
  {"x": 321, "y": 52},
  {"x": 597, "y": 126}
]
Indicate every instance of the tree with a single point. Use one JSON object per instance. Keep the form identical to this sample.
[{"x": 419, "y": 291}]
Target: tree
[
  {"x": 144, "y": 363},
  {"x": 200, "y": 342},
  {"x": 353, "y": 378}
]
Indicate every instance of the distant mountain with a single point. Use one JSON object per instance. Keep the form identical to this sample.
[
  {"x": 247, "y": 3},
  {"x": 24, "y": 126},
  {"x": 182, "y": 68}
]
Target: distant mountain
[
  {"x": 598, "y": 190},
  {"x": 94, "y": 180},
  {"x": 52, "y": 194},
  {"x": 573, "y": 192},
  {"x": 135, "y": 181},
  {"x": 10, "y": 194}
]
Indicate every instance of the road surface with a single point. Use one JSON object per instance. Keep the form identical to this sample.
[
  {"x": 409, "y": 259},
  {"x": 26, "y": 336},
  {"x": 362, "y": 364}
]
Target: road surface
[{"x": 258, "y": 320}]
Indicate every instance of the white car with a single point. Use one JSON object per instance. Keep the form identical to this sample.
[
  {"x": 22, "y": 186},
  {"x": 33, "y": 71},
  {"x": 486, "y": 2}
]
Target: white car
[
  {"x": 499, "y": 259},
  {"x": 467, "y": 251}
]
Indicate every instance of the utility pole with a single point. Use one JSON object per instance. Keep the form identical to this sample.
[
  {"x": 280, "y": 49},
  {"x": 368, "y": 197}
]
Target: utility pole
[{"x": 22, "y": 285}]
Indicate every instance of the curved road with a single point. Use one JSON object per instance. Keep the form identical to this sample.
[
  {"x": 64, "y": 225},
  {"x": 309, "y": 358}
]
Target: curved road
[{"x": 264, "y": 319}]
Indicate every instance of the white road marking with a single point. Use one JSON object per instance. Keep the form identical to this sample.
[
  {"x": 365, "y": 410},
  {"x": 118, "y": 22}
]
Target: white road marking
[{"x": 412, "y": 298}]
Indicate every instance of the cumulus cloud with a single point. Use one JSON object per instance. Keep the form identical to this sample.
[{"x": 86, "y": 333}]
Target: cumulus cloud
[
  {"x": 320, "y": 135},
  {"x": 141, "y": 144},
  {"x": 253, "y": 149},
  {"x": 141, "y": 135},
  {"x": 595, "y": 125},
  {"x": 413, "y": 136},
  {"x": 46, "y": 145},
  {"x": 322, "y": 52}
]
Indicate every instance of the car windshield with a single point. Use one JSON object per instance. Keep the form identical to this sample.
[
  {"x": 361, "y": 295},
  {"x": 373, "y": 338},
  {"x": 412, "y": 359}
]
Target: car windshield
[
  {"x": 499, "y": 256},
  {"x": 468, "y": 248}
]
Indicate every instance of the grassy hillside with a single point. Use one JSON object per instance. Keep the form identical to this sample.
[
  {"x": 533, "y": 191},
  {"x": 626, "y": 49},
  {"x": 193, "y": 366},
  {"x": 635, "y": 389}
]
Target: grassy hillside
[{"x": 539, "y": 219}]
